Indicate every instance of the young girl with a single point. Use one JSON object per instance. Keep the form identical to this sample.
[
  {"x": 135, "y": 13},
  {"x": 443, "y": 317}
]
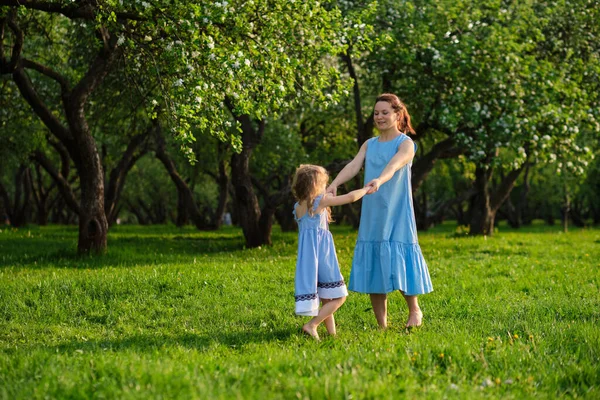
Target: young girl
[{"x": 318, "y": 274}]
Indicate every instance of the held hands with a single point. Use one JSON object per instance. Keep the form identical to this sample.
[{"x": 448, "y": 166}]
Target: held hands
[
  {"x": 332, "y": 189},
  {"x": 373, "y": 185}
]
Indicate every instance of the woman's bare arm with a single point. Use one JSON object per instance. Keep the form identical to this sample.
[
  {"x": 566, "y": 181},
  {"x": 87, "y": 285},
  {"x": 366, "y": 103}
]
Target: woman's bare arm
[{"x": 350, "y": 170}]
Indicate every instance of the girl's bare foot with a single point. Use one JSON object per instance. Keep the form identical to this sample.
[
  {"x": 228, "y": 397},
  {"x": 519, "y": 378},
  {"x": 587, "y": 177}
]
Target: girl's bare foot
[
  {"x": 415, "y": 319},
  {"x": 311, "y": 331}
]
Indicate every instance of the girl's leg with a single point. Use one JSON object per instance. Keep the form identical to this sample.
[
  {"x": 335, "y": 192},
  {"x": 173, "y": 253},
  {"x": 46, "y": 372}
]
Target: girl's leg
[
  {"x": 379, "y": 302},
  {"x": 415, "y": 315},
  {"x": 329, "y": 321},
  {"x": 325, "y": 312}
]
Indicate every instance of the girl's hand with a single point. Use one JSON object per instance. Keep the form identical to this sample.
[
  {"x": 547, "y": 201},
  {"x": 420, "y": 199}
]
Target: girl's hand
[
  {"x": 374, "y": 185},
  {"x": 332, "y": 190}
]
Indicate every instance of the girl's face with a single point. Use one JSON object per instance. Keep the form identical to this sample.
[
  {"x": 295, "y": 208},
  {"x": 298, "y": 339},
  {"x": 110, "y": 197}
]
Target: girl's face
[{"x": 384, "y": 116}]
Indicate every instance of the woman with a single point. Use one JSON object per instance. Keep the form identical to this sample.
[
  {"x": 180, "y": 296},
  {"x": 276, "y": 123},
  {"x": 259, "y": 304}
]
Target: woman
[{"x": 387, "y": 256}]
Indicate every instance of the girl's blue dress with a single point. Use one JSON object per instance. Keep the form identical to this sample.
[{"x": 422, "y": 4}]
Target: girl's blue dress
[
  {"x": 387, "y": 256},
  {"x": 317, "y": 269}
]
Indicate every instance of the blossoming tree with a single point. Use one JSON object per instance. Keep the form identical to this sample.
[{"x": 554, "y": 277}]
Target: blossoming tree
[{"x": 195, "y": 62}]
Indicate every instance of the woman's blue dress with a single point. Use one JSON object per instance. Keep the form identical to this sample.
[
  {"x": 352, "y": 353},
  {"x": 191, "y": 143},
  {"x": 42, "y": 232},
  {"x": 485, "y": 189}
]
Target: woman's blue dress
[
  {"x": 387, "y": 256},
  {"x": 317, "y": 269}
]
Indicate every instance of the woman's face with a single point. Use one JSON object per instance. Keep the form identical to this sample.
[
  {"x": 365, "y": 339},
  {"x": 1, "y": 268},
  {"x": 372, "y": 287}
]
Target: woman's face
[{"x": 384, "y": 116}]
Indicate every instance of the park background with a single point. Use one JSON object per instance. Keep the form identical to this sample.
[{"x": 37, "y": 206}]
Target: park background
[{"x": 130, "y": 129}]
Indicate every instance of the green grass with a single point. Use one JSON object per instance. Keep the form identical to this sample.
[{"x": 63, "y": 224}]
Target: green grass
[{"x": 172, "y": 313}]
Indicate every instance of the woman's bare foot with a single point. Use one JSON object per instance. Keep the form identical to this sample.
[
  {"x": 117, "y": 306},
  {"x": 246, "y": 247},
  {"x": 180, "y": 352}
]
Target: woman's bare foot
[
  {"x": 311, "y": 331},
  {"x": 415, "y": 319}
]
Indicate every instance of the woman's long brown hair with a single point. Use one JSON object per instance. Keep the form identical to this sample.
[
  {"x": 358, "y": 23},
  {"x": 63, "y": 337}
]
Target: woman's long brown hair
[{"x": 399, "y": 107}]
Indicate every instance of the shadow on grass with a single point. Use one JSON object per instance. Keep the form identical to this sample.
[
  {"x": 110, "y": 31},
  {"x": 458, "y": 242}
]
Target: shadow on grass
[
  {"x": 200, "y": 342},
  {"x": 124, "y": 251}
]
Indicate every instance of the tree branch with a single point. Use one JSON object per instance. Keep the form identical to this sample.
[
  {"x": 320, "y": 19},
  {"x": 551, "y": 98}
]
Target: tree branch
[
  {"x": 82, "y": 10},
  {"x": 49, "y": 72},
  {"x": 63, "y": 185},
  {"x": 39, "y": 107},
  {"x": 7, "y": 68},
  {"x": 505, "y": 187}
]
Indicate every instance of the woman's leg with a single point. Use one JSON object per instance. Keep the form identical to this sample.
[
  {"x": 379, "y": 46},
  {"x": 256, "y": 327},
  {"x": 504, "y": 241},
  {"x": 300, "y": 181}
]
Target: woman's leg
[
  {"x": 415, "y": 316},
  {"x": 379, "y": 302},
  {"x": 325, "y": 312}
]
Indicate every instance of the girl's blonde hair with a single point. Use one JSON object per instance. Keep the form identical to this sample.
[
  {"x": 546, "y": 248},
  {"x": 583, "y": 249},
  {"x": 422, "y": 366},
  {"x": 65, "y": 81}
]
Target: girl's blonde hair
[{"x": 308, "y": 181}]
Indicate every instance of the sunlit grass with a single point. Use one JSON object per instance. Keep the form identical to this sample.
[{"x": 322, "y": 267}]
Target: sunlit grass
[{"x": 171, "y": 313}]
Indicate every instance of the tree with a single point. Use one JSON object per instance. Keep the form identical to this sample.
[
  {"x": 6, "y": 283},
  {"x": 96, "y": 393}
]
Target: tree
[
  {"x": 492, "y": 77},
  {"x": 189, "y": 57}
]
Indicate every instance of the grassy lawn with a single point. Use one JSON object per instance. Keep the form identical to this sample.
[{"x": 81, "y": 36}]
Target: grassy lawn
[{"x": 171, "y": 313}]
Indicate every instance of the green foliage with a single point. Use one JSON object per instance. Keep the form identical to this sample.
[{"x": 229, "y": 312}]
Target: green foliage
[
  {"x": 261, "y": 57},
  {"x": 21, "y": 131},
  {"x": 494, "y": 74},
  {"x": 180, "y": 313}
]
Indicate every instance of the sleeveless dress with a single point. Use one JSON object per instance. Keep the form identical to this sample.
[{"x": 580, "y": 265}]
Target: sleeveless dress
[
  {"x": 317, "y": 269},
  {"x": 387, "y": 256}
]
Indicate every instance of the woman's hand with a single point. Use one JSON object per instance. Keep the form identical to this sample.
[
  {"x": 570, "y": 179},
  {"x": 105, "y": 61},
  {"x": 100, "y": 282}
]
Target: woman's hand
[
  {"x": 374, "y": 185},
  {"x": 332, "y": 190}
]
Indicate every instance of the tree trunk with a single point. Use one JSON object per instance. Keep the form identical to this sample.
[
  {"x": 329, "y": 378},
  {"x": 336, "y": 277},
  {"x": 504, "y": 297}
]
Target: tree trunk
[
  {"x": 245, "y": 200},
  {"x": 565, "y": 209},
  {"x": 482, "y": 215},
  {"x": 75, "y": 136},
  {"x": 182, "y": 212},
  {"x": 284, "y": 215},
  {"x": 424, "y": 164},
  {"x": 18, "y": 211},
  {"x": 118, "y": 175},
  {"x": 485, "y": 205},
  {"x": 184, "y": 193},
  {"x": 223, "y": 182},
  {"x": 41, "y": 196},
  {"x": 93, "y": 225}
]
